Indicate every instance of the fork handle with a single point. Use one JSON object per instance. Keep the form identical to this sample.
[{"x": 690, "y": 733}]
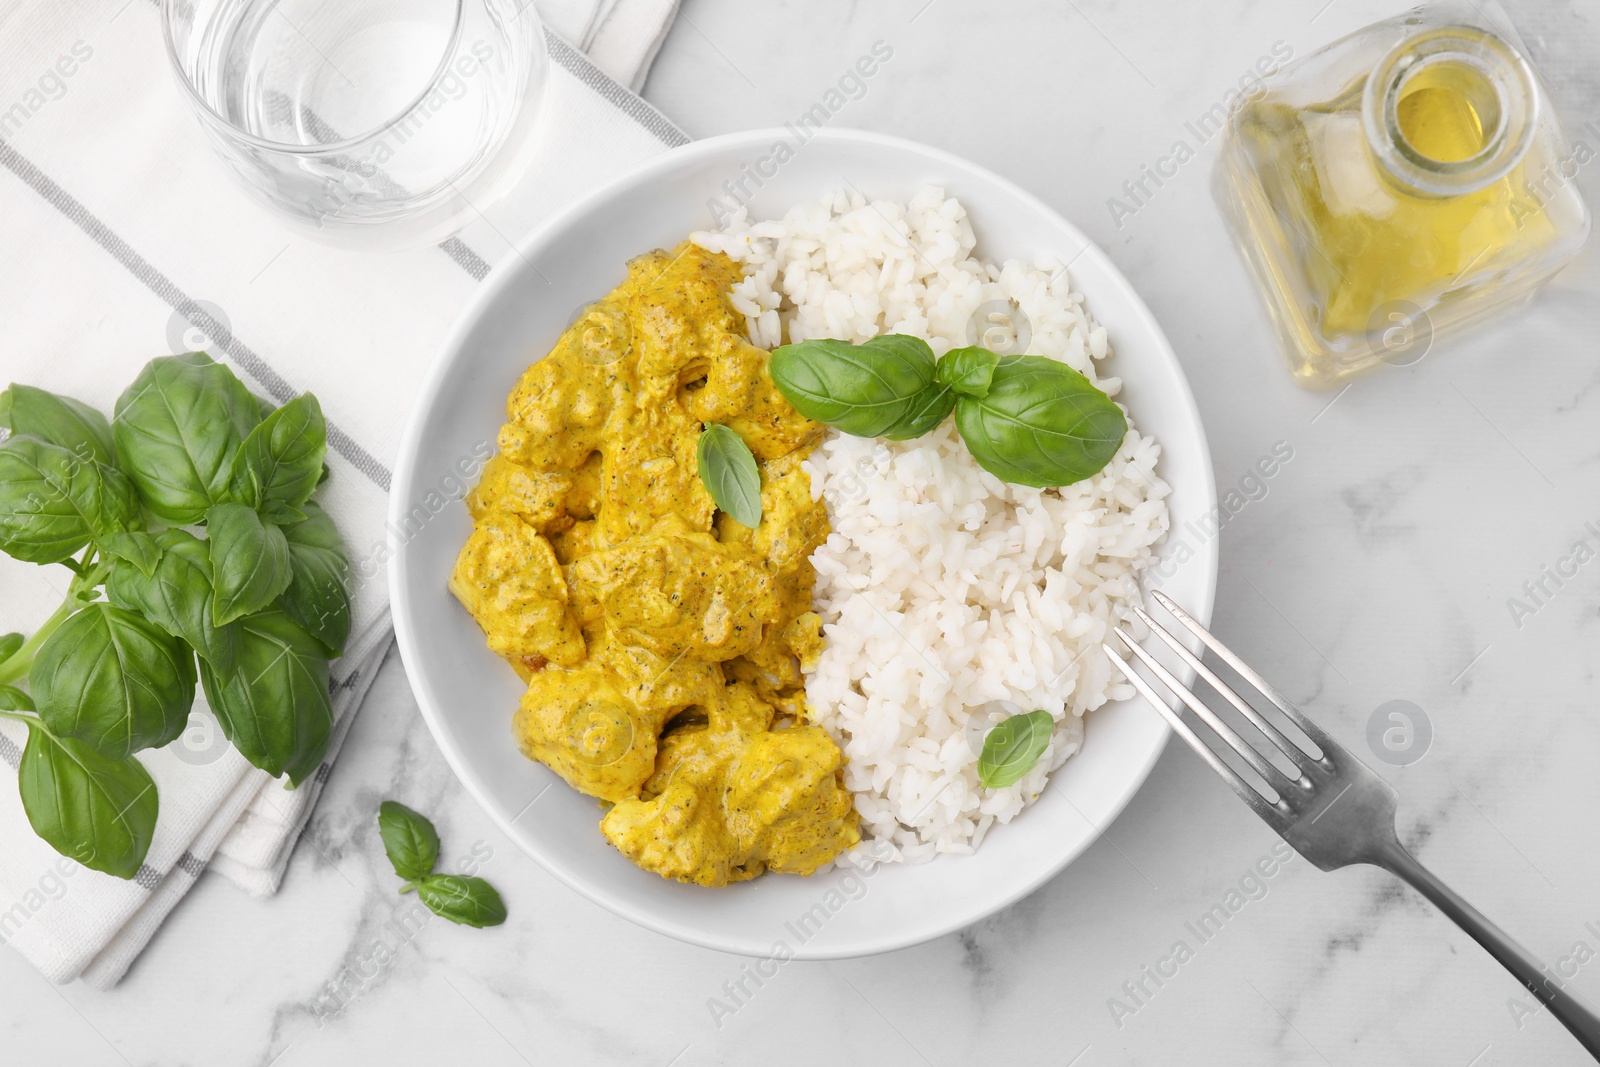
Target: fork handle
[{"x": 1535, "y": 976}]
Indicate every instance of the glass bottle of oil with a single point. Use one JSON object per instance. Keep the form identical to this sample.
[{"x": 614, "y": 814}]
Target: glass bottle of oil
[{"x": 1397, "y": 186}]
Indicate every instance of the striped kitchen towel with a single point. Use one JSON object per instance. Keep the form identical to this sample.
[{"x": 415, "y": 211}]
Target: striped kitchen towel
[{"x": 124, "y": 239}]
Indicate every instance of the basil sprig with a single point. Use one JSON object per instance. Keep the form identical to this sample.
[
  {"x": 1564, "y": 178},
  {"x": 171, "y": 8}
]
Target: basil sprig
[
  {"x": 729, "y": 473},
  {"x": 1012, "y": 747},
  {"x": 884, "y": 387},
  {"x": 244, "y": 589},
  {"x": 412, "y": 845},
  {"x": 1026, "y": 419}
]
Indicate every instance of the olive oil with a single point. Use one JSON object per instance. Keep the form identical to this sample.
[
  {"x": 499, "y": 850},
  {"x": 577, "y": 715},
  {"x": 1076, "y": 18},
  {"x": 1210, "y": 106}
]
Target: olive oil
[{"x": 1396, "y": 205}]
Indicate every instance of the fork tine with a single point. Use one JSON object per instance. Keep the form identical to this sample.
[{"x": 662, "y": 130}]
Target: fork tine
[
  {"x": 1327, "y": 744},
  {"x": 1242, "y": 706},
  {"x": 1248, "y": 752},
  {"x": 1244, "y": 789}
]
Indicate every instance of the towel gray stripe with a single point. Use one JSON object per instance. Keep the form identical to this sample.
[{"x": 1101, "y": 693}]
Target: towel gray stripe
[
  {"x": 629, "y": 104},
  {"x": 146, "y": 877},
  {"x": 188, "y": 864},
  {"x": 10, "y": 752},
  {"x": 159, "y": 284},
  {"x": 469, "y": 260}
]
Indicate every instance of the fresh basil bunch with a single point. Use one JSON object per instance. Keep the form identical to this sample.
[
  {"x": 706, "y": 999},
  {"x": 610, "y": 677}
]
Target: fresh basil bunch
[
  {"x": 190, "y": 512},
  {"x": 1026, "y": 419}
]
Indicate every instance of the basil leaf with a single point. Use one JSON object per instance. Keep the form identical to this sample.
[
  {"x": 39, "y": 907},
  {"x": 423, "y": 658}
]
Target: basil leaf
[
  {"x": 281, "y": 460},
  {"x": 928, "y": 409},
  {"x": 53, "y": 502},
  {"x": 881, "y": 388},
  {"x": 409, "y": 840},
  {"x": 249, "y": 562},
  {"x": 177, "y": 429},
  {"x": 1041, "y": 424},
  {"x": 112, "y": 680},
  {"x": 1013, "y": 747},
  {"x": 969, "y": 371},
  {"x": 316, "y": 597},
  {"x": 98, "y": 811},
  {"x": 280, "y": 514},
  {"x": 60, "y": 420},
  {"x": 273, "y": 705},
  {"x": 9, "y": 644},
  {"x": 176, "y": 596},
  {"x": 728, "y": 471},
  {"x": 14, "y": 699},
  {"x": 136, "y": 547},
  {"x": 463, "y": 900}
]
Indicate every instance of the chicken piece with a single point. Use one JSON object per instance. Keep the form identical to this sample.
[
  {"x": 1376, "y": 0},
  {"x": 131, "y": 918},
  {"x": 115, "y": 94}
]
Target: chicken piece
[
  {"x": 652, "y": 680},
  {"x": 731, "y": 799},
  {"x": 739, "y": 393},
  {"x": 678, "y": 833},
  {"x": 558, "y": 411},
  {"x": 678, "y": 593},
  {"x": 650, "y": 471},
  {"x": 596, "y": 725},
  {"x": 508, "y": 578},
  {"x": 578, "y": 723},
  {"x": 679, "y": 305},
  {"x": 785, "y": 803},
  {"x": 792, "y": 527},
  {"x": 792, "y": 524},
  {"x": 537, "y": 497}
]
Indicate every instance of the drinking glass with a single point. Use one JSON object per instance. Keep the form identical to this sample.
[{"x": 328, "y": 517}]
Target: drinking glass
[{"x": 377, "y": 123}]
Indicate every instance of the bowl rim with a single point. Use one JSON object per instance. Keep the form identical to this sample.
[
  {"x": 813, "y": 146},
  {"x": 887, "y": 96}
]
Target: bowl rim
[{"x": 492, "y": 288}]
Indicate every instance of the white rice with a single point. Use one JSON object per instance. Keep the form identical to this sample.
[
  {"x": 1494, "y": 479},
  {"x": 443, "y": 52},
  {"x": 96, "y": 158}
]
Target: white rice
[{"x": 946, "y": 594}]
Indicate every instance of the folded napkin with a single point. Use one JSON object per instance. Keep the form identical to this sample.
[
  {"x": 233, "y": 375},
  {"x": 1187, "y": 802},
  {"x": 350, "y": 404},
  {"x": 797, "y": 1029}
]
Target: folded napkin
[{"x": 121, "y": 231}]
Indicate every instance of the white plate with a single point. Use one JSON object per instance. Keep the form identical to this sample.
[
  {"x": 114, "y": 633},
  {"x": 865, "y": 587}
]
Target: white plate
[{"x": 468, "y": 695}]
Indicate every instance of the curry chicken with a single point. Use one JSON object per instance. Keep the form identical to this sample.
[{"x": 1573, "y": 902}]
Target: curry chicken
[{"x": 660, "y": 640}]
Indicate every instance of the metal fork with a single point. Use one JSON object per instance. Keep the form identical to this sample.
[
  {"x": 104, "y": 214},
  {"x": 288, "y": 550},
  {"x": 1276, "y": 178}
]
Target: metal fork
[{"x": 1339, "y": 812}]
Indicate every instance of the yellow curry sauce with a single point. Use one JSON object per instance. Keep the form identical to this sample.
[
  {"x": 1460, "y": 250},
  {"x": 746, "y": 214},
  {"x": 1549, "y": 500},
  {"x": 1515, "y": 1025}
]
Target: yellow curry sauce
[{"x": 661, "y": 640}]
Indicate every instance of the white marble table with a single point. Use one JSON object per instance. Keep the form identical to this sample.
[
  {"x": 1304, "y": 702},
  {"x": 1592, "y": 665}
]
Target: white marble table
[{"x": 1378, "y": 567}]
